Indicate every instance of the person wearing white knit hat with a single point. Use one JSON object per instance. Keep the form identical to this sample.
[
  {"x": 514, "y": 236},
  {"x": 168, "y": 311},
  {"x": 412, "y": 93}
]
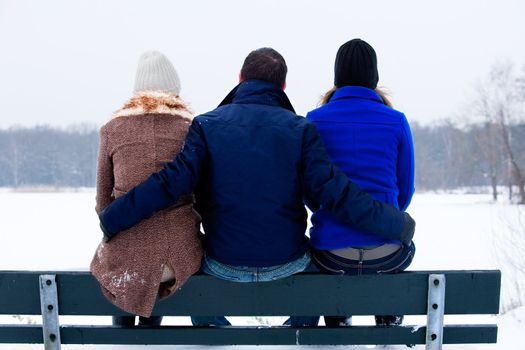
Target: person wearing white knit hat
[
  {"x": 156, "y": 73},
  {"x": 148, "y": 131}
]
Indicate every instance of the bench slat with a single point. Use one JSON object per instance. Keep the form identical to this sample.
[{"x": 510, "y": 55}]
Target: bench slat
[
  {"x": 19, "y": 293},
  {"x": 22, "y": 334},
  {"x": 471, "y": 292},
  {"x": 187, "y": 335}
]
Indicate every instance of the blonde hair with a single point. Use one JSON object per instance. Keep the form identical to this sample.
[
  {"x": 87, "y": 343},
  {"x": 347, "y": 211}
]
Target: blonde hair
[{"x": 380, "y": 91}]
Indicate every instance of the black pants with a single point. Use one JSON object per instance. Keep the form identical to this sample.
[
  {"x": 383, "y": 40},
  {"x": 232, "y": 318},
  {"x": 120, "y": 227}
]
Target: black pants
[
  {"x": 129, "y": 321},
  {"x": 393, "y": 263}
]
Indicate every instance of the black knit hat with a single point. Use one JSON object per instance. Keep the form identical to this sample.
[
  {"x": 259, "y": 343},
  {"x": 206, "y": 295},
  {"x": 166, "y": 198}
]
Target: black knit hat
[{"x": 356, "y": 64}]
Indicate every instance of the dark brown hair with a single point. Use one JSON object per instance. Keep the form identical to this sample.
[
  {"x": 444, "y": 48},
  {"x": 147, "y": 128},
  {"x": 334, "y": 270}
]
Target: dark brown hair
[{"x": 265, "y": 64}]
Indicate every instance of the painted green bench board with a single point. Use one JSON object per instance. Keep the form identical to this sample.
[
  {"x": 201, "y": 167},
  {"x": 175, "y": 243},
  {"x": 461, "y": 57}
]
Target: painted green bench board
[{"x": 466, "y": 292}]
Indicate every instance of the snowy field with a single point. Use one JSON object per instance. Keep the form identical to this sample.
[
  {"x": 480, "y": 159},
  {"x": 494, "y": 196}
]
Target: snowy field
[{"x": 59, "y": 231}]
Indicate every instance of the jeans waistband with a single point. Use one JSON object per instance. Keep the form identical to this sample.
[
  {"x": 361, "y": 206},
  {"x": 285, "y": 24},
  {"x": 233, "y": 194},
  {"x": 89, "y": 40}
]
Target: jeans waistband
[
  {"x": 361, "y": 254},
  {"x": 212, "y": 267}
]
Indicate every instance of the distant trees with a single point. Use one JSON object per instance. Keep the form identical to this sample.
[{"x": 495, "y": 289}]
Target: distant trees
[
  {"x": 500, "y": 103},
  {"x": 48, "y": 156},
  {"x": 447, "y": 156}
]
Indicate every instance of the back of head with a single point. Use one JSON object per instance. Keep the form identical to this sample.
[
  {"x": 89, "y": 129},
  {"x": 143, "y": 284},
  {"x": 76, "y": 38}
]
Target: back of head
[
  {"x": 265, "y": 64},
  {"x": 156, "y": 73},
  {"x": 356, "y": 64}
]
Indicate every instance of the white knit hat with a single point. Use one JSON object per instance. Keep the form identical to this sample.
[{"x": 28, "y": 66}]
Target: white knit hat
[{"x": 155, "y": 72}]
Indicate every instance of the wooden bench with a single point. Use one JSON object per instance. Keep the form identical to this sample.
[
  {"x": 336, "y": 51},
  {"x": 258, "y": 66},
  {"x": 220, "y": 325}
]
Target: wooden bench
[{"x": 410, "y": 293}]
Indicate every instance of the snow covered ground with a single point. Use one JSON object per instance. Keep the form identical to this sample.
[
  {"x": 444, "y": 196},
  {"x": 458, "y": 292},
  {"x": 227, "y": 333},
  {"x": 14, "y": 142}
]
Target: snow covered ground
[{"x": 59, "y": 231}]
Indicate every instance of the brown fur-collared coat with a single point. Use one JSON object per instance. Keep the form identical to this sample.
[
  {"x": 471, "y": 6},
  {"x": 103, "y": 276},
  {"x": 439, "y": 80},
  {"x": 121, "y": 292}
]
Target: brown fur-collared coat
[{"x": 147, "y": 132}]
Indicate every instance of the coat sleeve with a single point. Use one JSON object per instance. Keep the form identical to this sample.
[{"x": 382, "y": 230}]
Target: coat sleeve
[
  {"x": 326, "y": 186},
  {"x": 161, "y": 190},
  {"x": 405, "y": 167},
  {"x": 105, "y": 179}
]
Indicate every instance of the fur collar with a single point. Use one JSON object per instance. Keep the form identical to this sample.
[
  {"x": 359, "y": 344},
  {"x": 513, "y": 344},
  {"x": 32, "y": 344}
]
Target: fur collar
[{"x": 149, "y": 102}]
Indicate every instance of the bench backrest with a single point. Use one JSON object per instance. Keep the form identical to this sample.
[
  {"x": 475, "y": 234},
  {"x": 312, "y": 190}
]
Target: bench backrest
[{"x": 467, "y": 292}]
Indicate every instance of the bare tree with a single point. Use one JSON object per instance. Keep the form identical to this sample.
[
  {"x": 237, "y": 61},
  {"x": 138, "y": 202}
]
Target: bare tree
[
  {"x": 486, "y": 139},
  {"x": 500, "y": 104}
]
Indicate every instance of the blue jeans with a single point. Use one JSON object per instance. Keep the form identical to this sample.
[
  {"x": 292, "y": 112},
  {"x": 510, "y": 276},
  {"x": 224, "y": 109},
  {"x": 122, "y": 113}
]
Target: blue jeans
[{"x": 253, "y": 274}]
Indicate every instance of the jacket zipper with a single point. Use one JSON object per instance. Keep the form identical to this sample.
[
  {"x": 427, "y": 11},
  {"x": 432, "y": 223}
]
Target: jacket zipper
[{"x": 360, "y": 267}]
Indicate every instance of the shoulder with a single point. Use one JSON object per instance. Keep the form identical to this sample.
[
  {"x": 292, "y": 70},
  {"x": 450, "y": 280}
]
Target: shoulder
[
  {"x": 116, "y": 127},
  {"x": 394, "y": 113},
  {"x": 106, "y": 128},
  {"x": 399, "y": 118},
  {"x": 115, "y": 123},
  {"x": 317, "y": 113},
  {"x": 292, "y": 120}
]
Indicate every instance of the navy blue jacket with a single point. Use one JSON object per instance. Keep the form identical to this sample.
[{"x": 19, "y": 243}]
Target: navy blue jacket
[
  {"x": 372, "y": 144},
  {"x": 251, "y": 162}
]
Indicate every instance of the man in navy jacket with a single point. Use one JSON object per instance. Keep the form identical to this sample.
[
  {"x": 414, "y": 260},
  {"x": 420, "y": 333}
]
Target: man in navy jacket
[{"x": 252, "y": 164}]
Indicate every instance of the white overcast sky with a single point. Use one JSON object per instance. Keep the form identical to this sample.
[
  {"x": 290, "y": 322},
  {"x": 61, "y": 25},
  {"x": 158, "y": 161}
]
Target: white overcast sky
[{"x": 68, "y": 62}]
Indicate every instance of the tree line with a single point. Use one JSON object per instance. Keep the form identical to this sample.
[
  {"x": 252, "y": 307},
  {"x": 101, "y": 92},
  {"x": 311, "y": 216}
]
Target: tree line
[
  {"x": 447, "y": 156},
  {"x": 46, "y": 156},
  {"x": 450, "y": 157}
]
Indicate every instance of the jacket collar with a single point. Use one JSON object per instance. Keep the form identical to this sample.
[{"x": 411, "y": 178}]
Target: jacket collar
[
  {"x": 258, "y": 92},
  {"x": 154, "y": 102},
  {"x": 359, "y": 92}
]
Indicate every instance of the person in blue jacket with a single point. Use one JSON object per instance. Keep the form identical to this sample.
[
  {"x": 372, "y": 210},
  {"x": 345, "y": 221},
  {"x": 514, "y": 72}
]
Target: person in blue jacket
[
  {"x": 371, "y": 143},
  {"x": 251, "y": 162}
]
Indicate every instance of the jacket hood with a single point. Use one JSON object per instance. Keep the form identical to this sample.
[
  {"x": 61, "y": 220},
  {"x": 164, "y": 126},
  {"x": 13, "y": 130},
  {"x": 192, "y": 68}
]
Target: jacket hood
[{"x": 258, "y": 92}]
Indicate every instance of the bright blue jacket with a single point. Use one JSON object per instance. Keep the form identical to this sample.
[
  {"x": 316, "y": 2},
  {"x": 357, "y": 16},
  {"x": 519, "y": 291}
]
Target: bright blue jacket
[
  {"x": 372, "y": 144},
  {"x": 251, "y": 162}
]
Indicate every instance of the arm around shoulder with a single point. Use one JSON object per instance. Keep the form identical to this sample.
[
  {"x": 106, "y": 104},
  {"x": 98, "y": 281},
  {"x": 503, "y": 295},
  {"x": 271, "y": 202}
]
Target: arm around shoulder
[
  {"x": 327, "y": 186},
  {"x": 161, "y": 190}
]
